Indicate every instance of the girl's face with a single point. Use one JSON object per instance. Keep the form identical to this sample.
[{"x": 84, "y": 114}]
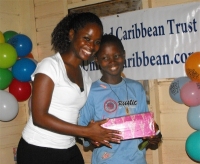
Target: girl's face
[
  {"x": 86, "y": 41},
  {"x": 111, "y": 60}
]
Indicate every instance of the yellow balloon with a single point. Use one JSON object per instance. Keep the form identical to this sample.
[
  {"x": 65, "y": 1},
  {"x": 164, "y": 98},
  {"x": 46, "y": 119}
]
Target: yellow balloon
[{"x": 2, "y": 39}]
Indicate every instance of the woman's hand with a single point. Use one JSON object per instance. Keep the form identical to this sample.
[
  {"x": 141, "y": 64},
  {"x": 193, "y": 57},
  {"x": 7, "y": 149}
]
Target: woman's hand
[
  {"x": 95, "y": 143},
  {"x": 99, "y": 135}
]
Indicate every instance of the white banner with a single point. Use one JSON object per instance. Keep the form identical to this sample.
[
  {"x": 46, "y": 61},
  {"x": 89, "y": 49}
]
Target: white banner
[{"x": 157, "y": 41}]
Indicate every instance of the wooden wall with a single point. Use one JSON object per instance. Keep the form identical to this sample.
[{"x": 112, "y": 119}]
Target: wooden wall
[
  {"x": 16, "y": 15},
  {"x": 36, "y": 19},
  {"x": 171, "y": 116}
]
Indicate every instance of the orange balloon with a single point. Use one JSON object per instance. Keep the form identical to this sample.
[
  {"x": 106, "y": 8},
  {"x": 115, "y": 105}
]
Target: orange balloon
[
  {"x": 30, "y": 55},
  {"x": 192, "y": 67}
]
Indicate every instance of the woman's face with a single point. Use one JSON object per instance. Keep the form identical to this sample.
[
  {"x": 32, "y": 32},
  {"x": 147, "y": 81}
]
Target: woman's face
[{"x": 86, "y": 41}]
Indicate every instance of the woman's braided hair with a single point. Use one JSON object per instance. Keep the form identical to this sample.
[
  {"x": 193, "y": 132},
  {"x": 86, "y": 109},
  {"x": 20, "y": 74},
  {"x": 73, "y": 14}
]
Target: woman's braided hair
[{"x": 60, "y": 36}]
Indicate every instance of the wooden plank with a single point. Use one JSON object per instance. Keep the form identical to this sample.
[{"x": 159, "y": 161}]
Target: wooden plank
[
  {"x": 14, "y": 15},
  {"x": 149, "y": 157},
  {"x": 159, "y": 3},
  {"x": 174, "y": 153},
  {"x": 7, "y": 156},
  {"x": 44, "y": 50},
  {"x": 84, "y": 3},
  {"x": 7, "y": 131},
  {"x": 87, "y": 154},
  {"x": 154, "y": 106},
  {"x": 44, "y": 35},
  {"x": 65, "y": 7},
  {"x": 9, "y": 140},
  {"x": 9, "y": 22},
  {"x": 10, "y": 7},
  {"x": 175, "y": 126},
  {"x": 151, "y": 3},
  {"x": 75, "y": 1},
  {"x": 48, "y": 21},
  {"x": 165, "y": 80},
  {"x": 42, "y": 2},
  {"x": 27, "y": 22},
  {"x": 50, "y": 8},
  {"x": 145, "y": 4},
  {"x": 69, "y": 2}
]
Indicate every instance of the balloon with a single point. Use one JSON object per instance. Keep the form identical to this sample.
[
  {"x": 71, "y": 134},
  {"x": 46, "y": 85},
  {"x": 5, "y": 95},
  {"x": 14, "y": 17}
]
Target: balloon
[
  {"x": 34, "y": 61},
  {"x": 192, "y": 66},
  {"x": 175, "y": 88},
  {"x": 8, "y": 106},
  {"x": 8, "y": 55},
  {"x": 9, "y": 34},
  {"x": 190, "y": 93},
  {"x": 23, "y": 68},
  {"x": 22, "y": 44},
  {"x": 5, "y": 78},
  {"x": 2, "y": 39},
  {"x": 192, "y": 146},
  {"x": 30, "y": 55},
  {"x": 21, "y": 90},
  {"x": 193, "y": 117}
]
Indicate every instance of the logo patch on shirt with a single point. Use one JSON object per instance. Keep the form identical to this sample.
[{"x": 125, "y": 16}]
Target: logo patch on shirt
[
  {"x": 110, "y": 106},
  {"x": 103, "y": 86},
  {"x": 105, "y": 155}
]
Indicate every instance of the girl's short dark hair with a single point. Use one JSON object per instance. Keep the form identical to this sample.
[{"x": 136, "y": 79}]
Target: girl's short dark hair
[
  {"x": 60, "y": 36},
  {"x": 109, "y": 38}
]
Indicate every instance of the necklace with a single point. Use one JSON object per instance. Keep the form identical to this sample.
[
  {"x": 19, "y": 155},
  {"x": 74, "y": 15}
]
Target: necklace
[{"x": 126, "y": 108}]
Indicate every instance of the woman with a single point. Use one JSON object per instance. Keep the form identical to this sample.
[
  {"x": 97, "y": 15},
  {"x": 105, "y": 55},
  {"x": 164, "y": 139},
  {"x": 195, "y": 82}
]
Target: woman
[{"x": 60, "y": 89}]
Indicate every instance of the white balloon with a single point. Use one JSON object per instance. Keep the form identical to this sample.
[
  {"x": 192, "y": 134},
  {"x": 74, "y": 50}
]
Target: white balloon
[{"x": 8, "y": 106}]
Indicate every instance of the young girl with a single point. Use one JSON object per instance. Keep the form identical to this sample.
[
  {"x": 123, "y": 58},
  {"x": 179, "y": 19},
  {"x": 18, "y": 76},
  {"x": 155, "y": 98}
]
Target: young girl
[{"x": 106, "y": 100}]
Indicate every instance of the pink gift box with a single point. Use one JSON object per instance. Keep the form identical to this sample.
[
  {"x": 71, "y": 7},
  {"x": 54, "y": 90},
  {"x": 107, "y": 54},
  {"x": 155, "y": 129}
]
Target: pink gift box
[{"x": 133, "y": 126}]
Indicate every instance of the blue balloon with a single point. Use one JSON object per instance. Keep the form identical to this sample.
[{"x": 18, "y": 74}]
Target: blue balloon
[
  {"x": 23, "y": 68},
  {"x": 193, "y": 117},
  {"x": 175, "y": 88},
  {"x": 22, "y": 44},
  {"x": 192, "y": 146}
]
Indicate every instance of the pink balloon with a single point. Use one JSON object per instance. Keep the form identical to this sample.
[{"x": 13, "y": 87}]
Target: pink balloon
[{"x": 190, "y": 93}]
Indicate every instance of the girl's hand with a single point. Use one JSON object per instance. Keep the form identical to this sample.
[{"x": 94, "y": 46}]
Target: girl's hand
[{"x": 153, "y": 141}]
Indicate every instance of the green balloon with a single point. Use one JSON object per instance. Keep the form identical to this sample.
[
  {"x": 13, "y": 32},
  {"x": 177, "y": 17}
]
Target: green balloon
[
  {"x": 8, "y": 55},
  {"x": 192, "y": 146},
  {"x": 9, "y": 34},
  {"x": 5, "y": 78}
]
